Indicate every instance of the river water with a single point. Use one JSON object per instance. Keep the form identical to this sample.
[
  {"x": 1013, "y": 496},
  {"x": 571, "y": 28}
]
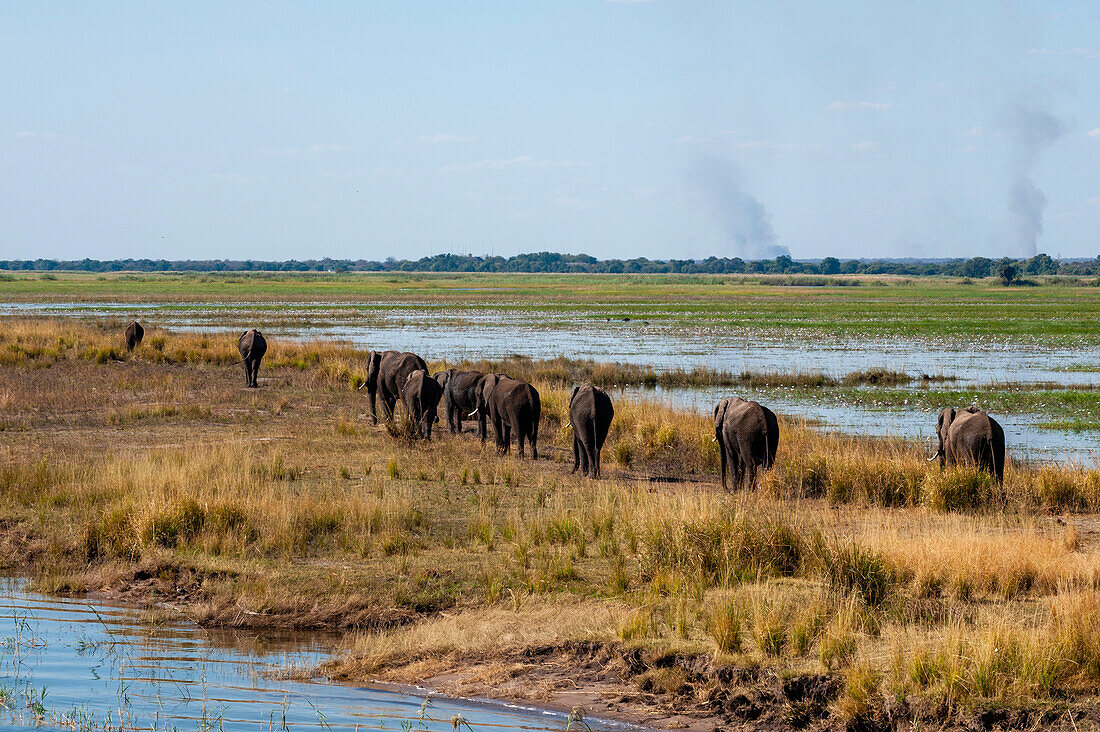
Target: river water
[
  {"x": 437, "y": 331},
  {"x": 95, "y": 665}
]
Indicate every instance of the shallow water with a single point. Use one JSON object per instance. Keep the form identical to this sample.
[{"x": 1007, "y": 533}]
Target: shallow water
[
  {"x": 96, "y": 664},
  {"x": 438, "y": 331}
]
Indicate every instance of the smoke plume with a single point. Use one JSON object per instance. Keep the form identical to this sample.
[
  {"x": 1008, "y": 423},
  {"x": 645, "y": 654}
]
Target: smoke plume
[
  {"x": 745, "y": 221},
  {"x": 1033, "y": 130}
]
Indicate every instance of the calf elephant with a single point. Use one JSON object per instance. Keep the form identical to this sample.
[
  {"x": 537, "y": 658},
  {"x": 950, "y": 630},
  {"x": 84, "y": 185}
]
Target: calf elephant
[
  {"x": 134, "y": 334},
  {"x": 590, "y": 413},
  {"x": 971, "y": 437},
  {"x": 421, "y": 394},
  {"x": 459, "y": 396},
  {"x": 512, "y": 405},
  {"x": 387, "y": 372},
  {"x": 747, "y": 434},
  {"x": 252, "y": 347}
]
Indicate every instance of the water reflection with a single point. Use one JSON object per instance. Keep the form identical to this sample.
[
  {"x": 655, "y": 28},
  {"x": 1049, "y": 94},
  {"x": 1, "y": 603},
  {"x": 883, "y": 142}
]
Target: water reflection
[{"x": 95, "y": 665}]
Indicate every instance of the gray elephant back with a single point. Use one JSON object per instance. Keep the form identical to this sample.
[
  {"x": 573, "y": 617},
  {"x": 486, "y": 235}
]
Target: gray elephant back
[{"x": 252, "y": 344}]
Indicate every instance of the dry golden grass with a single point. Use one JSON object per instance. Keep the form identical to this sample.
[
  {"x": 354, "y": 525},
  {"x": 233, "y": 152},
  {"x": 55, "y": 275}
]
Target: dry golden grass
[{"x": 281, "y": 506}]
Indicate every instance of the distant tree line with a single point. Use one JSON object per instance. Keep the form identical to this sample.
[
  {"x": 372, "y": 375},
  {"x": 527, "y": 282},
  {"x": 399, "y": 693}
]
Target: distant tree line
[{"x": 1010, "y": 270}]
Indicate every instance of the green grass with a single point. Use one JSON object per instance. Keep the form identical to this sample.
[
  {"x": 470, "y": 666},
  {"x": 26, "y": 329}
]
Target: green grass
[
  {"x": 1081, "y": 368},
  {"x": 1071, "y": 425},
  {"x": 1070, "y": 405},
  {"x": 933, "y": 308}
]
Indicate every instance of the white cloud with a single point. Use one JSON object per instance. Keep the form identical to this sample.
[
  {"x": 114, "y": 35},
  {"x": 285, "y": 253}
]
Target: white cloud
[
  {"x": 864, "y": 106},
  {"x": 444, "y": 137},
  {"x": 866, "y": 145},
  {"x": 1078, "y": 52},
  {"x": 968, "y": 148},
  {"x": 315, "y": 149},
  {"x": 1095, "y": 132},
  {"x": 522, "y": 162},
  {"x": 33, "y": 135},
  {"x": 975, "y": 131},
  {"x": 684, "y": 139},
  {"x": 773, "y": 145}
]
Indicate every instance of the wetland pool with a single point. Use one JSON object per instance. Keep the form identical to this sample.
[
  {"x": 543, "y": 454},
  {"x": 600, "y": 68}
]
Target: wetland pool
[{"x": 90, "y": 664}]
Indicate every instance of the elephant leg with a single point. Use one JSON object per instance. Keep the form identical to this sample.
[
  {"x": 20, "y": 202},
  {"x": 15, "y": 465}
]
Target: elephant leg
[
  {"x": 533, "y": 435},
  {"x": 590, "y": 448},
  {"x": 506, "y": 443},
  {"x": 256, "y": 374},
  {"x": 373, "y": 411},
  {"x": 520, "y": 437},
  {"x": 722, "y": 459},
  {"x": 247, "y": 376},
  {"x": 576, "y": 453}
]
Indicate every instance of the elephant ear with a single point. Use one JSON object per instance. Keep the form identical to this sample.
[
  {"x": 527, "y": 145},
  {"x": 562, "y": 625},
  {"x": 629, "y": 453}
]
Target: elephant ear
[
  {"x": 947, "y": 416},
  {"x": 573, "y": 394},
  {"x": 720, "y": 414},
  {"x": 373, "y": 360}
]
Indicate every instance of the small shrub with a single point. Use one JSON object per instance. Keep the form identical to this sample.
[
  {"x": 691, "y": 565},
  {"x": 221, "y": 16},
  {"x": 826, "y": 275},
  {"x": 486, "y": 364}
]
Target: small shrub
[
  {"x": 175, "y": 524},
  {"x": 636, "y": 625},
  {"x": 623, "y": 454},
  {"x": 620, "y": 582},
  {"x": 853, "y": 569},
  {"x": 725, "y": 627},
  {"x": 959, "y": 488}
]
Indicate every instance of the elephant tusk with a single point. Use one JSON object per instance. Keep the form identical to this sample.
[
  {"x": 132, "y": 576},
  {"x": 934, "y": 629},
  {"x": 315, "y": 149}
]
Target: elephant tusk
[
  {"x": 361, "y": 386},
  {"x": 933, "y": 457},
  {"x": 473, "y": 413},
  {"x": 714, "y": 439},
  {"x": 568, "y": 425}
]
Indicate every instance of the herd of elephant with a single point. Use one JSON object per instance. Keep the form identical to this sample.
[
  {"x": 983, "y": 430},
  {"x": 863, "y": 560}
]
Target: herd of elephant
[{"x": 746, "y": 432}]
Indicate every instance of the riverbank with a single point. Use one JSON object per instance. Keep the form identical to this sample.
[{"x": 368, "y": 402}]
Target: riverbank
[{"x": 159, "y": 478}]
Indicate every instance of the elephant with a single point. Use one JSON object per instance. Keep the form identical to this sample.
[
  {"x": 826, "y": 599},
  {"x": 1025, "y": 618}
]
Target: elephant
[
  {"x": 252, "y": 346},
  {"x": 971, "y": 437},
  {"x": 590, "y": 413},
  {"x": 747, "y": 434},
  {"x": 460, "y": 396},
  {"x": 482, "y": 389},
  {"x": 134, "y": 334},
  {"x": 421, "y": 394},
  {"x": 387, "y": 372},
  {"x": 512, "y": 405}
]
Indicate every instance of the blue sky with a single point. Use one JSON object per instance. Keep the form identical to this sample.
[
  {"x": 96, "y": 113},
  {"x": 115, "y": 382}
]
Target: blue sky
[{"x": 668, "y": 128}]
